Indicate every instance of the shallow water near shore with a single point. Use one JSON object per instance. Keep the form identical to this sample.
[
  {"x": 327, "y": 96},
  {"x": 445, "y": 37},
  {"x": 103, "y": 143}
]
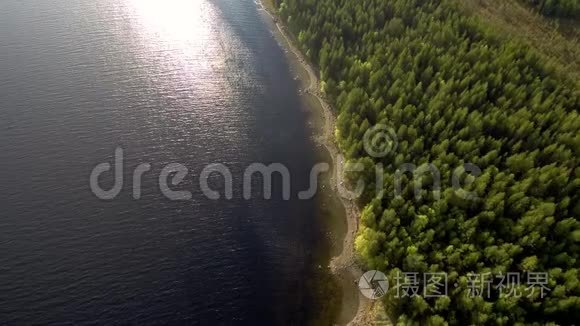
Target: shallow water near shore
[{"x": 332, "y": 213}]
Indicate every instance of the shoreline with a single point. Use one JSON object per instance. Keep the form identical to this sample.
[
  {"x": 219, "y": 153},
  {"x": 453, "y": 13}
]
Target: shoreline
[{"x": 343, "y": 266}]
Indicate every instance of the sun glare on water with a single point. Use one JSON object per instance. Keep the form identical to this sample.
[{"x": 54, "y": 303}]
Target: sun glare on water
[
  {"x": 186, "y": 41},
  {"x": 185, "y": 21}
]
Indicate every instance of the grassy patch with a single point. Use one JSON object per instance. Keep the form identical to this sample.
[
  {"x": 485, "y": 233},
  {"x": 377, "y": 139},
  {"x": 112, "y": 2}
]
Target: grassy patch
[
  {"x": 558, "y": 39},
  {"x": 270, "y": 5}
]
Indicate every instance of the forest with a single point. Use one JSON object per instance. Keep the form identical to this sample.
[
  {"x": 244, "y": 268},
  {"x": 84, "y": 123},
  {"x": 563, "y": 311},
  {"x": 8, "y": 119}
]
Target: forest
[
  {"x": 557, "y": 8},
  {"x": 454, "y": 91}
]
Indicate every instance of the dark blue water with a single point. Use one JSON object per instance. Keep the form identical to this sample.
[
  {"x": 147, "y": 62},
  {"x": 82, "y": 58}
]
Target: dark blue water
[{"x": 186, "y": 81}]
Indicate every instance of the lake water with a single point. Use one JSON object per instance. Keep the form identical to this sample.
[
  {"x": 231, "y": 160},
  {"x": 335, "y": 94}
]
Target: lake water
[{"x": 173, "y": 81}]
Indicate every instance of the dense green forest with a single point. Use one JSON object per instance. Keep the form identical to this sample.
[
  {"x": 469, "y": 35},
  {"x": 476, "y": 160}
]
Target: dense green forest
[
  {"x": 557, "y": 8},
  {"x": 454, "y": 92}
]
